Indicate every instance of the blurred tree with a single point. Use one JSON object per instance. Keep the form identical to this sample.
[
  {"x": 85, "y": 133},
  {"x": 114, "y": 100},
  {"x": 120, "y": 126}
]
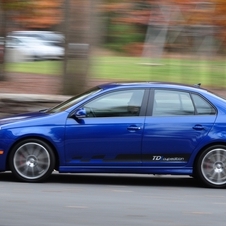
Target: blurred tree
[
  {"x": 43, "y": 14},
  {"x": 14, "y": 4},
  {"x": 193, "y": 14},
  {"x": 7, "y": 9},
  {"x": 27, "y": 14},
  {"x": 125, "y": 22},
  {"x": 33, "y": 14},
  {"x": 219, "y": 20},
  {"x": 80, "y": 30},
  {"x": 2, "y": 43}
]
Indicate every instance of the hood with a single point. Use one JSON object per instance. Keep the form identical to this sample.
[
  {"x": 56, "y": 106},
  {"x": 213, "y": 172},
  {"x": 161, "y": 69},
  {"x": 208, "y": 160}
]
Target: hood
[{"x": 21, "y": 117}]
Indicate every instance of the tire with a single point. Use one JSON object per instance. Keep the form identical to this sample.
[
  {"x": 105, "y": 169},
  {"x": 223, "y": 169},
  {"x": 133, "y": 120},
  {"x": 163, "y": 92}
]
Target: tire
[
  {"x": 32, "y": 160},
  {"x": 211, "y": 167}
]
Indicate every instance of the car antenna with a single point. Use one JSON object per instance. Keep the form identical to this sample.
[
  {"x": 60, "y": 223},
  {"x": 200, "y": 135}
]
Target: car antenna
[{"x": 199, "y": 84}]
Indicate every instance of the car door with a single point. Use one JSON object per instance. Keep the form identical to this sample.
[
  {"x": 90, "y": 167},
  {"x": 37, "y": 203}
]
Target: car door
[
  {"x": 176, "y": 123},
  {"x": 111, "y": 132}
]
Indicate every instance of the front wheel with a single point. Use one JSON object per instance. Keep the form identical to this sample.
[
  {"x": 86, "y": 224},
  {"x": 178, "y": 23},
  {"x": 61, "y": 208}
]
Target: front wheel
[
  {"x": 32, "y": 160},
  {"x": 211, "y": 166}
]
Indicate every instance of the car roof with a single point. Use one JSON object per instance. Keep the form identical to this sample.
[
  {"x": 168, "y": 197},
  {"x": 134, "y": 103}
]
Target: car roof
[{"x": 153, "y": 84}]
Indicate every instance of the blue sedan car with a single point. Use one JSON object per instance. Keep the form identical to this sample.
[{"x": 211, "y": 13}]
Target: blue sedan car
[{"x": 143, "y": 127}]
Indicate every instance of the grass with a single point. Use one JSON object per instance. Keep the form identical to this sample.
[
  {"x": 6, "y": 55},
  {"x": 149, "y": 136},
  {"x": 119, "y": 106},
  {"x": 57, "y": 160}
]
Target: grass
[
  {"x": 36, "y": 67},
  {"x": 186, "y": 71},
  {"x": 209, "y": 73}
]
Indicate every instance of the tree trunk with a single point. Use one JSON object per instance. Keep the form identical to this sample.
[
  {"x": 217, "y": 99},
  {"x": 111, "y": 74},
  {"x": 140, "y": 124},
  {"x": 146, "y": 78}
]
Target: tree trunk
[
  {"x": 77, "y": 45},
  {"x": 2, "y": 42}
]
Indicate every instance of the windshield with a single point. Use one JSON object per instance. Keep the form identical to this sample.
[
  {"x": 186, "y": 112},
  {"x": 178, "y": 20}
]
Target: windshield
[{"x": 72, "y": 101}]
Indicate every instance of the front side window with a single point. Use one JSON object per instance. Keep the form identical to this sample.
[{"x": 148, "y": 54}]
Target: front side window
[
  {"x": 116, "y": 104},
  {"x": 170, "y": 103}
]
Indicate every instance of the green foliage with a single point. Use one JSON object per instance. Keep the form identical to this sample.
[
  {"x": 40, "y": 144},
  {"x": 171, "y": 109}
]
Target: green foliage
[
  {"x": 8, "y": 5},
  {"x": 121, "y": 35}
]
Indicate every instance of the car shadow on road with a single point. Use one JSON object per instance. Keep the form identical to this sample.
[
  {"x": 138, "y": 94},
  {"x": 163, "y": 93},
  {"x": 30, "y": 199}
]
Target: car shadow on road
[
  {"x": 125, "y": 179},
  {"x": 115, "y": 179}
]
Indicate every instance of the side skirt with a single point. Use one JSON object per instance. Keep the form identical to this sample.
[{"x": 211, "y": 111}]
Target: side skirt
[{"x": 134, "y": 170}]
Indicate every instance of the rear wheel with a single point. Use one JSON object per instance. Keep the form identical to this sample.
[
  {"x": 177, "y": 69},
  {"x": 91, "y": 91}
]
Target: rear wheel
[
  {"x": 32, "y": 160},
  {"x": 211, "y": 166}
]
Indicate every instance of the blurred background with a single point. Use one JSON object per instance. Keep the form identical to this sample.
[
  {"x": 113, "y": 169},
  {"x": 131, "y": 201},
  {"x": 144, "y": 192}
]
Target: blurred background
[{"x": 66, "y": 46}]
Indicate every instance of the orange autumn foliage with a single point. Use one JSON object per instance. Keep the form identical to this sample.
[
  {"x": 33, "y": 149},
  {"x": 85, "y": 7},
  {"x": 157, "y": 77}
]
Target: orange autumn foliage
[{"x": 35, "y": 14}]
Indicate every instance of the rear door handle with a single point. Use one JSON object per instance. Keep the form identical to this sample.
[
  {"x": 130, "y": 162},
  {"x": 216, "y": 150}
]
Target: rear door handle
[{"x": 198, "y": 127}]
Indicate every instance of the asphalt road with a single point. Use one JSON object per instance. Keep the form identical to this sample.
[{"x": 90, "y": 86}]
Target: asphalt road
[{"x": 107, "y": 200}]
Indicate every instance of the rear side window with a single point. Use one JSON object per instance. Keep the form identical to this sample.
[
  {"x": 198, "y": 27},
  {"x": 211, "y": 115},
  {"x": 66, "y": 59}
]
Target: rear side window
[
  {"x": 171, "y": 102},
  {"x": 202, "y": 106}
]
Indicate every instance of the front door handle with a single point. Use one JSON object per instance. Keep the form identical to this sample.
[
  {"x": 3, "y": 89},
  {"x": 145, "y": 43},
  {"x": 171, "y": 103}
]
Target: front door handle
[
  {"x": 133, "y": 128},
  {"x": 198, "y": 127}
]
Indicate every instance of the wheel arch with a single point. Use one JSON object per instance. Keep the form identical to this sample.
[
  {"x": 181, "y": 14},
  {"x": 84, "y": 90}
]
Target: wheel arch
[{"x": 38, "y": 138}]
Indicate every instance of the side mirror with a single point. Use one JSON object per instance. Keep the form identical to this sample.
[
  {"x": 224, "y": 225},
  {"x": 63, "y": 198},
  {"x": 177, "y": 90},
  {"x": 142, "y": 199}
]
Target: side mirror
[{"x": 80, "y": 113}]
